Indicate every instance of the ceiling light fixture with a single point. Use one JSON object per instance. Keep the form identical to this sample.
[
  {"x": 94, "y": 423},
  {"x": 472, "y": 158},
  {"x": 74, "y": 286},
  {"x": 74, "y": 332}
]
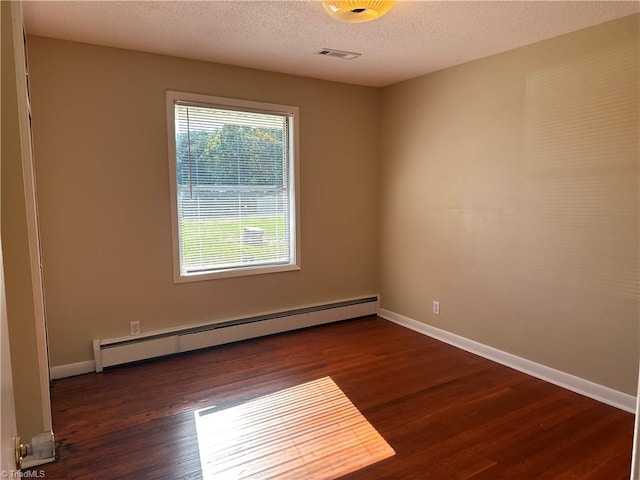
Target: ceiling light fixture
[{"x": 357, "y": 11}]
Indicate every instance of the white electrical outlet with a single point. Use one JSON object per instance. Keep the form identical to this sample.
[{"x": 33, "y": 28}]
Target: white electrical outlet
[
  {"x": 436, "y": 307},
  {"x": 135, "y": 327}
]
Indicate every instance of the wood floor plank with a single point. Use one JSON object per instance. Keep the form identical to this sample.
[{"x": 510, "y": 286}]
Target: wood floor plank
[{"x": 446, "y": 413}]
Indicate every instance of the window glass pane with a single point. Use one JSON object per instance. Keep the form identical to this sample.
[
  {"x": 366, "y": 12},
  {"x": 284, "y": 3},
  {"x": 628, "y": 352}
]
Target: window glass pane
[{"x": 233, "y": 189}]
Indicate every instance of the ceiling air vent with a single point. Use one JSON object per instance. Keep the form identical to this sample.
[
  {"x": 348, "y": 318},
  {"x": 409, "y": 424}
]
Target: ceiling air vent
[{"x": 327, "y": 52}]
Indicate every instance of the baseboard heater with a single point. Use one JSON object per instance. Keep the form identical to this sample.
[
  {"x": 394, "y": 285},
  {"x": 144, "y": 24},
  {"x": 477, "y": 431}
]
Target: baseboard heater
[{"x": 118, "y": 351}]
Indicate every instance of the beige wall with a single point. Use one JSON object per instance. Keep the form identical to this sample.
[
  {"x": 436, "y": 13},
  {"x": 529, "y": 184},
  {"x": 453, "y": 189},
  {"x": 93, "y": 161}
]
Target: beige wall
[
  {"x": 15, "y": 249},
  {"x": 103, "y": 186},
  {"x": 508, "y": 191},
  {"x": 510, "y": 194}
]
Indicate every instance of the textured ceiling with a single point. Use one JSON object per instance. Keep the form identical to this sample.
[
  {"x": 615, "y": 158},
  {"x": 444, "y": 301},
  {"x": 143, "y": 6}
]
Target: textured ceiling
[{"x": 414, "y": 38}]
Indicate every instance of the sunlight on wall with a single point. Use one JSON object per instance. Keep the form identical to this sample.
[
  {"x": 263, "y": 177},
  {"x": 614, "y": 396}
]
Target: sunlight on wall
[
  {"x": 309, "y": 431},
  {"x": 581, "y": 151}
]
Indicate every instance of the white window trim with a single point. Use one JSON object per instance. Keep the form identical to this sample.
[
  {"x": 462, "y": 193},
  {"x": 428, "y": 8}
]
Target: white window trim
[{"x": 294, "y": 192}]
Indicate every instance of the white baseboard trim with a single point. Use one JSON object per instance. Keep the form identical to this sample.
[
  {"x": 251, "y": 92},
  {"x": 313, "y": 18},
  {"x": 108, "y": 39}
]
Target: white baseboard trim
[
  {"x": 72, "y": 369},
  {"x": 579, "y": 385}
]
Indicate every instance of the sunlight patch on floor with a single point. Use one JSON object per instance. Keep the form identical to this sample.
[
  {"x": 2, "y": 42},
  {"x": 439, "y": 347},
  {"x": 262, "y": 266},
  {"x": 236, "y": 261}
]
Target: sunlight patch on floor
[{"x": 309, "y": 431}]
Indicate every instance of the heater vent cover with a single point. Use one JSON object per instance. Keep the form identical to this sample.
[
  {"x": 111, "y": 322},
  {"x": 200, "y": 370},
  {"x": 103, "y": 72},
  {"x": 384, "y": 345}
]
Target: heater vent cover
[
  {"x": 117, "y": 351},
  {"x": 328, "y": 52}
]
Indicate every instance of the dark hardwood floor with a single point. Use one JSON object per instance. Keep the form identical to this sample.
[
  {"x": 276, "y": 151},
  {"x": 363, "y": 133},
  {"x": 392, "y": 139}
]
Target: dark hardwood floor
[{"x": 448, "y": 414}]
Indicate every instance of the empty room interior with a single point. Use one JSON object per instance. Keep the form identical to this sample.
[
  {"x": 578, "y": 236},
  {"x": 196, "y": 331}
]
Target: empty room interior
[{"x": 319, "y": 240}]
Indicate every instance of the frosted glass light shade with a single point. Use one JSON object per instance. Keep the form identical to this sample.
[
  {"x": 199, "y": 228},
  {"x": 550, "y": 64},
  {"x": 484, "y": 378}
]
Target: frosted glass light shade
[{"x": 357, "y": 11}]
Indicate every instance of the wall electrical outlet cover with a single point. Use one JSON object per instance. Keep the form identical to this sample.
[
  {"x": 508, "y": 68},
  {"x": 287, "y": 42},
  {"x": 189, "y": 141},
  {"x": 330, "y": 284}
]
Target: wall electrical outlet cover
[
  {"x": 135, "y": 327},
  {"x": 436, "y": 307}
]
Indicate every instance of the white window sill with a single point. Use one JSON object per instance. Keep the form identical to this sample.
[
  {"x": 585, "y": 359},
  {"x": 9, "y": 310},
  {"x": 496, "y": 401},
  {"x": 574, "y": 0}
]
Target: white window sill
[{"x": 236, "y": 272}]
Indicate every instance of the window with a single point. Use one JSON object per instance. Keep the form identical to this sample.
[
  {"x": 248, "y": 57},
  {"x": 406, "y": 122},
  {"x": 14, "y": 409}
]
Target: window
[{"x": 233, "y": 185}]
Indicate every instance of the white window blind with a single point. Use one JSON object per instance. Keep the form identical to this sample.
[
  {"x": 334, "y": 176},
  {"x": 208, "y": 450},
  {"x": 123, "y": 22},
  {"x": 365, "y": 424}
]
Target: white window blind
[{"x": 235, "y": 202}]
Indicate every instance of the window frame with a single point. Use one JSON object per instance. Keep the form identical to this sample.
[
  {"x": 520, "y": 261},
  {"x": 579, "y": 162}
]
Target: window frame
[{"x": 294, "y": 182}]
